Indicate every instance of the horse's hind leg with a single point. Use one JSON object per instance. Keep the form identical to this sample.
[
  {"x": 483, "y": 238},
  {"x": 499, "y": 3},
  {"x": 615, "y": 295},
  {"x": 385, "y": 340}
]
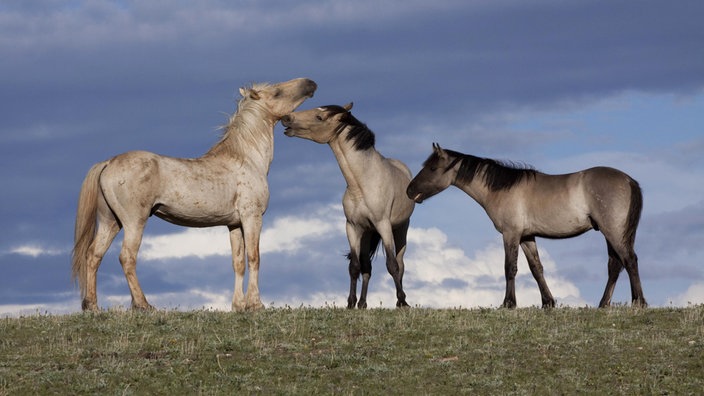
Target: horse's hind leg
[
  {"x": 392, "y": 265},
  {"x": 400, "y": 242},
  {"x": 128, "y": 259},
  {"x": 631, "y": 264},
  {"x": 619, "y": 258},
  {"x": 629, "y": 260},
  {"x": 354, "y": 239},
  {"x": 370, "y": 239},
  {"x": 536, "y": 268},
  {"x": 615, "y": 267},
  {"x": 106, "y": 231}
]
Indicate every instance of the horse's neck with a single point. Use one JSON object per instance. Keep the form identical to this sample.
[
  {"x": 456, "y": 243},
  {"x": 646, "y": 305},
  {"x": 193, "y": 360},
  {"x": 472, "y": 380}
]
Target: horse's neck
[
  {"x": 249, "y": 139},
  {"x": 353, "y": 162},
  {"x": 476, "y": 188}
]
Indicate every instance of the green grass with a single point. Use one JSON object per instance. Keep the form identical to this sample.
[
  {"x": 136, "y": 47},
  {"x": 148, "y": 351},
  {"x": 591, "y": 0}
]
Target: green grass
[{"x": 378, "y": 351}]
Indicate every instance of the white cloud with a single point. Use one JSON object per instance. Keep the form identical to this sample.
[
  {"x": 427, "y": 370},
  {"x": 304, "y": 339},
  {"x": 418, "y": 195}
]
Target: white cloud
[
  {"x": 287, "y": 234},
  {"x": 34, "y": 250},
  {"x": 447, "y": 277},
  {"x": 71, "y": 305},
  {"x": 693, "y": 295},
  {"x": 438, "y": 274}
]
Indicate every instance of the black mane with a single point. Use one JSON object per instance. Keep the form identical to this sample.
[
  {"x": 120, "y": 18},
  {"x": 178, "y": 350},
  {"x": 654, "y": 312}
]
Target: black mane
[
  {"x": 497, "y": 175},
  {"x": 361, "y": 136}
]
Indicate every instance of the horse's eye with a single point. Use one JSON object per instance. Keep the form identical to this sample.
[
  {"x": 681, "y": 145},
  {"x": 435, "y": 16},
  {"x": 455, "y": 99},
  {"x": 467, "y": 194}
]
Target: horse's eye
[{"x": 319, "y": 118}]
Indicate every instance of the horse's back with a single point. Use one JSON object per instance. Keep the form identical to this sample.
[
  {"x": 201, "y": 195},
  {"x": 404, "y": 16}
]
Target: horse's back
[{"x": 607, "y": 181}]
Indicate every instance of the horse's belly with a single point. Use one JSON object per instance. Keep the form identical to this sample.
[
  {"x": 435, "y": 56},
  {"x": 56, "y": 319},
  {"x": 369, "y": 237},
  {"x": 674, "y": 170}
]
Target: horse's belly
[
  {"x": 195, "y": 218},
  {"x": 565, "y": 228}
]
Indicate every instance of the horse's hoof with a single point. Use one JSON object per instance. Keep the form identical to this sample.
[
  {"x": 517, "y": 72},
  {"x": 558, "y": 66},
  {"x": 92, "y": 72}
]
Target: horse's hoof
[
  {"x": 362, "y": 305},
  {"x": 508, "y": 305},
  {"x": 402, "y": 304},
  {"x": 351, "y": 302},
  {"x": 89, "y": 306},
  {"x": 258, "y": 306},
  {"x": 639, "y": 304}
]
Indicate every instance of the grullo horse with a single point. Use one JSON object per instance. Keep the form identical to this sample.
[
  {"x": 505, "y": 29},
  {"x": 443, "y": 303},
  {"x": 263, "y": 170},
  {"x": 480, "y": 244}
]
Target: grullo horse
[
  {"x": 375, "y": 202},
  {"x": 524, "y": 204}
]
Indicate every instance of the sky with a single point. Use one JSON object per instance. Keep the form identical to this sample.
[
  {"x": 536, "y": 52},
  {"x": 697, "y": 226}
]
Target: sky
[{"x": 562, "y": 86}]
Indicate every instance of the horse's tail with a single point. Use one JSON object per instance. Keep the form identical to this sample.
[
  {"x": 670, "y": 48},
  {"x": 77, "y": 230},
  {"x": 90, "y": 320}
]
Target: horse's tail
[
  {"x": 85, "y": 224},
  {"x": 634, "y": 211},
  {"x": 373, "y": 247}
]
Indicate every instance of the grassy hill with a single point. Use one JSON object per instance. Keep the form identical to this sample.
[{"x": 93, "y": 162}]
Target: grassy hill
[{"x": 378, "y": 351}]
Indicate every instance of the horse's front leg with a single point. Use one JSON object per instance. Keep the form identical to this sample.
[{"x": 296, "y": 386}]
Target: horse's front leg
[
  {"x": 238, "y": 264},
  {"x": 354, "y": 239},
  {"x": 510, "y": 269},
  {"x": 252, "y": 228},
  {"x": 392, "y": 265},
  {"x": 536, "y": 268}
]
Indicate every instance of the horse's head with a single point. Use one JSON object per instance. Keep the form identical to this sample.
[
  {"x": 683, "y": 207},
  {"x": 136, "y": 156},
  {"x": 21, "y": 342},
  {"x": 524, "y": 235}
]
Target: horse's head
[
  {"x": 319, "y": 125},
  {"x": 436, "y": 175},
  {"x": 282, "y": 98}
]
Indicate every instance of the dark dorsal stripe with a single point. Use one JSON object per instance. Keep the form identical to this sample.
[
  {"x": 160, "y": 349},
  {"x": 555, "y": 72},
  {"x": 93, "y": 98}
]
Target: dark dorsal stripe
[
  {"x": 361, "y": 136},
  {"x": 497, "y": 175}
]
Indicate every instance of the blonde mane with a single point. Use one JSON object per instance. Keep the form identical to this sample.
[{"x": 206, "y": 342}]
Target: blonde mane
[{"x": 248, "y": 129}]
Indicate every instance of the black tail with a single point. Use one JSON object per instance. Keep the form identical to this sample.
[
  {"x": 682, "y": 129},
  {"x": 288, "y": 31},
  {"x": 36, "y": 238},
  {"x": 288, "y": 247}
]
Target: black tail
[
  {"x": 634, "y": 212},
  {"x": 373, "y": 246}
]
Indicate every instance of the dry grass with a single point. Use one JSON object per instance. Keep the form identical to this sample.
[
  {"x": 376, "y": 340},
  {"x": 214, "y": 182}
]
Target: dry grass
[{"x": 336, "y": 351}]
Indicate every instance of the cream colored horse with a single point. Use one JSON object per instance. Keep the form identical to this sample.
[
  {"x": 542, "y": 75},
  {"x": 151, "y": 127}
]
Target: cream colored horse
[
  {"x": 225, "y": 187},
  {"x": 375, "y": 202}
]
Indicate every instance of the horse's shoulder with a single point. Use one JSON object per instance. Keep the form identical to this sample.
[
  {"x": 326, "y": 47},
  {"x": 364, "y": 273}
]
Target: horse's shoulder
[{"x": 400, "y": 166}]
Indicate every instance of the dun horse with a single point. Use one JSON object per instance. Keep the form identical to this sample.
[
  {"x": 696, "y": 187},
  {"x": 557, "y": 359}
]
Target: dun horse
[
  {"x": 524, "y": 204},
  {"x": 375, "y": 202},
  {"x": 225, "y": 187}
]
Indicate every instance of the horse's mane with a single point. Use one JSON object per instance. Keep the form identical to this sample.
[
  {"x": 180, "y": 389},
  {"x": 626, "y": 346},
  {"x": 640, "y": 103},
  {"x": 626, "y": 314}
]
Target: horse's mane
[
  {"x": 361, "y": 136},
  {"x": 497, "y": 175},
  {"x": 247, "y": 129}
]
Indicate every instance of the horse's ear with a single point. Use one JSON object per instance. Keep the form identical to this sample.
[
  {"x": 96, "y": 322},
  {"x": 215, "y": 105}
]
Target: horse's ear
[
  {"x": 249, "y": 92},
  {"x": 439, "y": 151},
  {"x": 348, "y": 106}
]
